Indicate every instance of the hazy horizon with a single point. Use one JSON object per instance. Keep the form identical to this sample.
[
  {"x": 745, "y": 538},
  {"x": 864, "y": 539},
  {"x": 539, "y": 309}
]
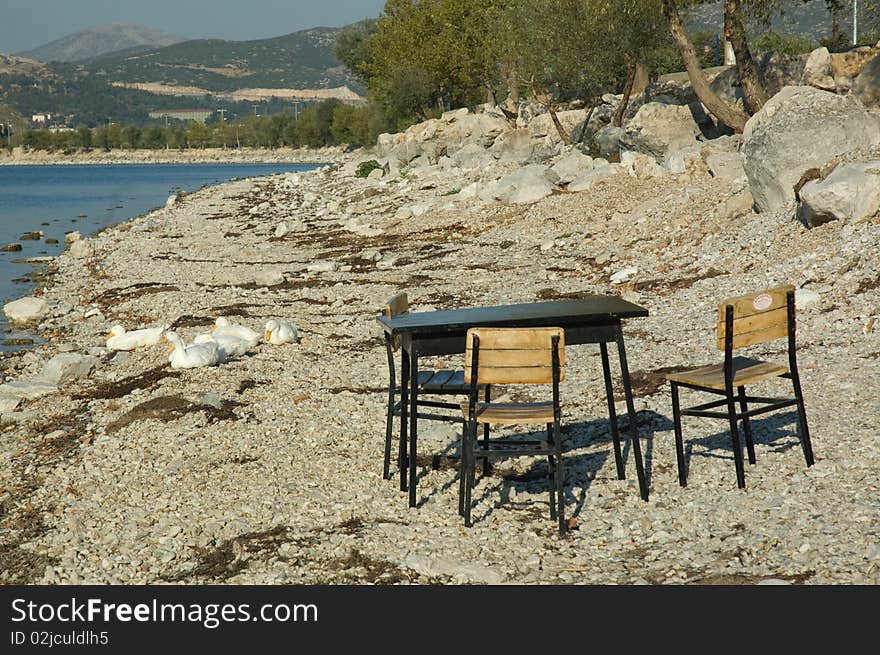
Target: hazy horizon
[{"x": 39, "y": 22}]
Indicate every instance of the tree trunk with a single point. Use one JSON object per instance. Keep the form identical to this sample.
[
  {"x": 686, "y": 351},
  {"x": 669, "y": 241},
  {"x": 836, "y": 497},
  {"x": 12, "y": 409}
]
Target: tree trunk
[
  {"x": 734, "y": 119},
  {"x": 752, "y": 88},
  {"x": 559, "y": 128},
  {"x": 627, "y": 92},
  {"x": 835, "y": 29}
]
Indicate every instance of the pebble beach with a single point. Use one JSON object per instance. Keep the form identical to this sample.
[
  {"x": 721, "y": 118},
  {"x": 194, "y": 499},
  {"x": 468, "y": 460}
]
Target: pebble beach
[{"x": 267, "y": 468}]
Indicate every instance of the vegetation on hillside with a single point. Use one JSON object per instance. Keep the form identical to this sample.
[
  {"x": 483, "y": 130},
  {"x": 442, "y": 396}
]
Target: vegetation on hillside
[
  {"x": 424, "y": 56},
  {"x": 323, "y": 124}
]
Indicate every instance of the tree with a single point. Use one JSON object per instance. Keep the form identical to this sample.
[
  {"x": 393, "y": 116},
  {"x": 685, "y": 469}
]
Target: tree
[
  {"x": 352, "y": 47},
  {"x": 85, "y": 136},
  {"x": 753, "y": 90},
  {"x": 733, "y": 118}
]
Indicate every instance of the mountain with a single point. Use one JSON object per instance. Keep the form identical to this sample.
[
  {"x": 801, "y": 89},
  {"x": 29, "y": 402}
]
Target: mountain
[
  {"x": 125, "y": 86},
  {"x": 100, "y": 40},
  {"x": 303, "y": 60}
]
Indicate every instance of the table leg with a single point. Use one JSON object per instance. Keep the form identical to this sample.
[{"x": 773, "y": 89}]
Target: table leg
[
  {"x": 413, "y": 423},
  {"x": 404, "y": 414},
  {"x": 612, "y": 412},
  {"x": 631, "y": 410}
]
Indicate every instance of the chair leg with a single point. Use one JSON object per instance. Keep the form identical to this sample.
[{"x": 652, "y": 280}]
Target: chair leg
[
  {"x": 806, "y": 445},
  {"x": 560, "y": 479},
  {"x": 737, "y": 448},
  {"x": 462, "y": 468},
  {"x": 487, "y": 467},
  {"x": 679, "y": 444},
  {"x": 389, "y": 429},
  {"x": 551, "y": 475},
  {"x": 743, "y": 406},
  {"x": 470, "y": 467}
]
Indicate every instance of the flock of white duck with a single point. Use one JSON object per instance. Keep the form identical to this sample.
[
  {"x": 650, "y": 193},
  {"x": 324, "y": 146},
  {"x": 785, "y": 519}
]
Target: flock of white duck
[{"x": 225, "y": 340}]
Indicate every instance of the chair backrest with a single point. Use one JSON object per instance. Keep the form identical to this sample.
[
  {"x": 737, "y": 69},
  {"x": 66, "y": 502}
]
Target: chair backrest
[
  {"x": 757, "y": 317},
  {"x": 514, "y": 355},
  {"x": 395, "y": 305}
]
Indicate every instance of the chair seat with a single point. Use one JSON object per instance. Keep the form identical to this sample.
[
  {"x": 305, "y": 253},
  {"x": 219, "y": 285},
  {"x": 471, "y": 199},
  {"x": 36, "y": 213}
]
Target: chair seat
[
  {"x": 444, "y": 381},
  {"x": 510, "y": 412},
  {"x": 745, "y": 371}
]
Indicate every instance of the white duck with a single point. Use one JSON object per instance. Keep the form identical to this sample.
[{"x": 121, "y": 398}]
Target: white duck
[
  {"x": 120, "y": 339},
  {"x": 278, "y": 332},
  {"x": 228, "y": 344},
  {"x": 193, "y": 356},
  {"x": 222, "y": 326}
]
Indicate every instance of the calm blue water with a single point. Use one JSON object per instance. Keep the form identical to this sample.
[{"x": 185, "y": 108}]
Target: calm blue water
[{"x": 59, "y": 199}]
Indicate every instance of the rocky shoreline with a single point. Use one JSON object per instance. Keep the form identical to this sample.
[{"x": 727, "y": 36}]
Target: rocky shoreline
[
  {"x": 19, "y": 157},
  {"x": 267, "y": 469}
]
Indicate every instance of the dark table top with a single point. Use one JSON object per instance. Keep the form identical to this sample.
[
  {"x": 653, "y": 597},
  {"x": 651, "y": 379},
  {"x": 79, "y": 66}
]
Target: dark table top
[{"x": 555, "y": 313}]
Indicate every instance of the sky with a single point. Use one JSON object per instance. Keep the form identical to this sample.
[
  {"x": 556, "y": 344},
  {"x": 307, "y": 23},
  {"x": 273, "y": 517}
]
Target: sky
[{"x": 27, "y": 24}]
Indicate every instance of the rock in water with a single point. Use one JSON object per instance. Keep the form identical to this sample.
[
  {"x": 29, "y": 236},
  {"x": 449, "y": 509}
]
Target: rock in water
[
  {"x": 25, "y": 310},
  {"x": 800, "y": 128}
]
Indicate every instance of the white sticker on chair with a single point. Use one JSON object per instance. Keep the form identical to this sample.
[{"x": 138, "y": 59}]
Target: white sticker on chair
[{"x": 762, "y": 302}]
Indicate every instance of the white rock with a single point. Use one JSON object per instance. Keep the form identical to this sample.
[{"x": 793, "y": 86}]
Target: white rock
[
  {"x": 323, "y": 267},
  {"x": 624, "y": 274},
  {"x": 65, "y": 367},
  {"x": 8, "y": 403},
  {"x": 269, "y": 278},
  {"x": 850, "y": 192},
  {"x": 587, "y": 180},
  {"x": 27, "y": 389},
  {"x": 572, "y": 166},
  {"x": 81, "y": 249},
  {"x": 172, "y": 200},
  {"x": 805, "y": 298},
  {"x": 798, "y": 129},
  {"x": 281, "y": 230},
  {"x": 25, "y": 310},
  {"x": 70, "y": 237}
]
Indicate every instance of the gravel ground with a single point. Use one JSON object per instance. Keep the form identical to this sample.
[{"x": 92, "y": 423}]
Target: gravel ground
[{"x": 267, "y": 469}]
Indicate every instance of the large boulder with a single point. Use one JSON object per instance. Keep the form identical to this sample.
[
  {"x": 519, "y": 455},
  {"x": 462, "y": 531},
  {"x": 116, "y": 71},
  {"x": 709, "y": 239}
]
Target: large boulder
[
  {"x": 525, "y": 185},
  {"x": 818, "y": 71},
  {"x": 850, "y": 192},
  {"x": 480, "y": 129},
  {"x": 658, "y": 127},
  {"x": 25, "y": 310},
  {"x": 852, "y": 62},
  {"x": 588, "y": 179},
  {"x": 514, "y": 146},
  {"x": 543, "y": 125},
  {"x": 571, "y": 166},
  {"x": 798, "y": 129},
  {"x": 607, "y": 140},
  {"x": 866, "y": 86}
]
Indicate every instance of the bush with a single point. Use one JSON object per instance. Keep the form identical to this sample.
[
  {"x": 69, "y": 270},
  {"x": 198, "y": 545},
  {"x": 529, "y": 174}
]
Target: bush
[
  {"x": 783, "y": 43},
  {"x": 367, "y": 167}
]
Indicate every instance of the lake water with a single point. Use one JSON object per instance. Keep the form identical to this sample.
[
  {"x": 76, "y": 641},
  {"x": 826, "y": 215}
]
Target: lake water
[{"x": 59, "y": 199}]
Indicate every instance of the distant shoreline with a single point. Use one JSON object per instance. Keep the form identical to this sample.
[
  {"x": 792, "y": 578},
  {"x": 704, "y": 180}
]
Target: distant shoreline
[{"x": 189, "y": 156}]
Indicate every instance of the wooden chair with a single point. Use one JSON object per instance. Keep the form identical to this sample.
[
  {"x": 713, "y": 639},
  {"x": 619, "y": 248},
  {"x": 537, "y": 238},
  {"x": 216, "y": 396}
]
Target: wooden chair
[
  {"x": 441, "y": 382},
  {"x": 744, "y": 321},
  {"x": 513, "y": 356}
]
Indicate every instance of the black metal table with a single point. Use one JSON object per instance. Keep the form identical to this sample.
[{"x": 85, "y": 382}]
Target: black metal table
[{"x": 594, "y": 319}]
